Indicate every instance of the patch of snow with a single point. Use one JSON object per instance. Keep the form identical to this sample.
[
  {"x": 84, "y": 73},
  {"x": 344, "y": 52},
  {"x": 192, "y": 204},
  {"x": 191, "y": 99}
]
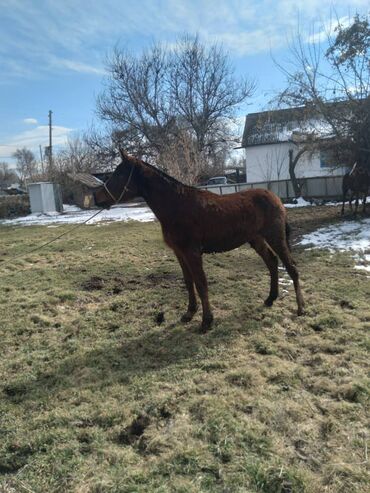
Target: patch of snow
[
  {"x": 352, "y": 236},
  {"x": 300, "y": 202},
  {"x": 71, "y": 208},
  {"x": 348, "y": 235},
  {"x": 73, "y": 214},
  {"x": 363, "y": 267}
]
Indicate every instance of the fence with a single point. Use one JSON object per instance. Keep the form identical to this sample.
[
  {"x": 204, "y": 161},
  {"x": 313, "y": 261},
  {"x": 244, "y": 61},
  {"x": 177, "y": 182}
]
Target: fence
[{"x": 318, "y": 187}]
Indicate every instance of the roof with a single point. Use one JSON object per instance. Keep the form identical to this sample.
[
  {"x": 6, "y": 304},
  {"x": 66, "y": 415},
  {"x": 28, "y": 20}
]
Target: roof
[
  {"x": 283, "y": 125},
  {"x": 86, "y": 179}
]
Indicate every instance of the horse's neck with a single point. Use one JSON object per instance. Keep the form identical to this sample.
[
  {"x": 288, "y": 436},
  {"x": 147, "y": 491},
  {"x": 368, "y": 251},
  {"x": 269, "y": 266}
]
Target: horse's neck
[{"x": 162, "y": 196}]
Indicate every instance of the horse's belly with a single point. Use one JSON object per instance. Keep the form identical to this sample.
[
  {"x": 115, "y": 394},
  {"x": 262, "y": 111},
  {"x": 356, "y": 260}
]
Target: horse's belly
[{"x": 224, "y": 244}]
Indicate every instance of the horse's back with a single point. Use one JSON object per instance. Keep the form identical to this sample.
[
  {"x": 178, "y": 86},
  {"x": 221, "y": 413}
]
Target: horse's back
[{"x": 255, "y": 196}]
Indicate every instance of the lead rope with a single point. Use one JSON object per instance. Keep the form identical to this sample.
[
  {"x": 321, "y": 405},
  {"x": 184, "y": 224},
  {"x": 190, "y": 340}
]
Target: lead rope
[
  {"x": 116, "y": 201},
  {"x": 5, "y": 262},
  {"x": 39, "y": 247}
]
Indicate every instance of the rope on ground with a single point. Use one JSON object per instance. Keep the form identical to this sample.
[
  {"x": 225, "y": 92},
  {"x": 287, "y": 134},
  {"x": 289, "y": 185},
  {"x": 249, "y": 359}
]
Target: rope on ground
[{"x": 39, "y": 247}]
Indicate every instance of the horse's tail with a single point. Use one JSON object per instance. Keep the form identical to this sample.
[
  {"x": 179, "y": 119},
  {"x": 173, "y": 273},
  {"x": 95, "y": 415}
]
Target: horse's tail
[{"x": 288, "y": 231}]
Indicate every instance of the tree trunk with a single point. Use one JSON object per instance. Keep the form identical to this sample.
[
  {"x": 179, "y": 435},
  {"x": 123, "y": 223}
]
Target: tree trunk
[{"x": 292, "y": 166}]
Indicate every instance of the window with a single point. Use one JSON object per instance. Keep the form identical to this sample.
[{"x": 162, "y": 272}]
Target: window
[{"x": 327, "y": 159}]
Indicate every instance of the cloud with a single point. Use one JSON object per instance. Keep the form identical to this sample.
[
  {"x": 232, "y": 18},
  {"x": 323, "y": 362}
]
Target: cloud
[
  {"x": 55, "y": 36},
  {"x": 80, "y": 67},
  {"x": 33, "y": 138},
  {"x": 327, "y": 30},
  {"x": 30, "y": 121}
]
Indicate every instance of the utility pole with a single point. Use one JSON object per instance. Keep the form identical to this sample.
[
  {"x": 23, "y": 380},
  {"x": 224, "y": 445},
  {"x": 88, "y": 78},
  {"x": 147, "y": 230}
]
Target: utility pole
[{"x": 50, "y": 141}]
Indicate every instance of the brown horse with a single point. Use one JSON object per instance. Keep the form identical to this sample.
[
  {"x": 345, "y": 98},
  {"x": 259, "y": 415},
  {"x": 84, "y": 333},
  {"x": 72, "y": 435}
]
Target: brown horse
[
  {"x": 196, "y": 221},
  {"x": 358, "y": 182}
]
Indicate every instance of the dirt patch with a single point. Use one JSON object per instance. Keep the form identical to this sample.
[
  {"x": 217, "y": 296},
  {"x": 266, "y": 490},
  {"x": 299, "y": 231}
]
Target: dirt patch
[
  {"x": 15, "y": 458},
  {"x": 159, "y": 318},
  {"x": 92, "y": 284},
  {"x": 165, "y": 279},
  {"x": 134, "y": 431},
  {"x": 307, "y": 219}
]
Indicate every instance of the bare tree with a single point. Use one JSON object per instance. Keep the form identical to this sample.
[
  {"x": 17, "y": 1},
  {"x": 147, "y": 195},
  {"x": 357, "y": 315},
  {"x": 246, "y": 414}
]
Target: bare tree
[
  {"x": 76, "y": 157},
  {"x": 105, "y": 147},
  {"x": 26, "y": 165},
  {"x": 151, "y": 100},
  {"x": 182, "y": 160},
  {"x": 333, "y": 85},
  {"x": 273, "y": 163},
  {"x": 7, "y": 175},
  {"x": 204, "y": 90}
]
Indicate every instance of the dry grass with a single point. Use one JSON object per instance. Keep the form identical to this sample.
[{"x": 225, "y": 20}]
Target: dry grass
[{"x": 103, "y": 390}]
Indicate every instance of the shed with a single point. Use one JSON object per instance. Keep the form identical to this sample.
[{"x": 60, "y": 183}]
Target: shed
[
  {"x": 45, "y": 197},
  {"x": 82, "y": 186}
]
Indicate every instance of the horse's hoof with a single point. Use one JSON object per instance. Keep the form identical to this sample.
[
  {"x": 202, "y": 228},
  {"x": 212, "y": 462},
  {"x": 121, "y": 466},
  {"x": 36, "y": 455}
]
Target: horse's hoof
[
  {"x": 206, "y": 324},
  {"x": 187, "y": 317},
  {"x": 268, "y": 302},
  {"x": 300, "y": 312}
]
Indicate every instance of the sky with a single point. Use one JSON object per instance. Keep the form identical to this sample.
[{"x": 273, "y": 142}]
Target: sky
[{"x": 53, "y": 53}]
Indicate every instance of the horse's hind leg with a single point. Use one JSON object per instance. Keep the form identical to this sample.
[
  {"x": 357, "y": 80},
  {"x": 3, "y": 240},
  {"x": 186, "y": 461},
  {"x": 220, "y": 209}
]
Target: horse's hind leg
[
  {"x": 356, "y": 204},
  {"x": 189, "y": 283},
  {"x": 271, "y": 261},
  {"x": 279, "y": 245}
]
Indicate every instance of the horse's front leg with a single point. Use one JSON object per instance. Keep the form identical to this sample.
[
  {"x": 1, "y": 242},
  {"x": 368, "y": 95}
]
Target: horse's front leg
[
  {"x": 193, "y": 259},
  {"x": 189, "y": 283},
  {"x": 350, "y": 201},
  {"x": 343, "y": 201},
  {"x": 356, "y": 203},
  {"x": 364, "y": 203}
]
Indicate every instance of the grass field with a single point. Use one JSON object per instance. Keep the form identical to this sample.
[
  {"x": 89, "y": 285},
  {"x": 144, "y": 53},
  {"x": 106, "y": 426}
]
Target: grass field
[{"x": 102, "y": 389}]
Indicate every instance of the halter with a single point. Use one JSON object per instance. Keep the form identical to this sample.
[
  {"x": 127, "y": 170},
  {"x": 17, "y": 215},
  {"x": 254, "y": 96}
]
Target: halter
[{"x": 116, "y": 201}]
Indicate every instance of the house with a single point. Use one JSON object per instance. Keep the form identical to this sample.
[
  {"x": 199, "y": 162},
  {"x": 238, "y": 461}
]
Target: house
[{"x": 270, "y": 137}]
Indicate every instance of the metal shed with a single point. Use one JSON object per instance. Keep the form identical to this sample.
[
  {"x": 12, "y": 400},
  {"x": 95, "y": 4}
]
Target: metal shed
[{"x": 45, "y": 197}]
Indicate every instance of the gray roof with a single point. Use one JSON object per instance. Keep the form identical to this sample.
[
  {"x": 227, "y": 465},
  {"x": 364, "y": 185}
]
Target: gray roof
[
  {"x": 86, "y": 179},
  {"x": 268, "y": 127}
]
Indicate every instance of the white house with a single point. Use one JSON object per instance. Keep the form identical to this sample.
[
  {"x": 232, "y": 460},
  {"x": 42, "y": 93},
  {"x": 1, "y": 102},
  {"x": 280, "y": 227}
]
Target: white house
[{"x": 268, "y": 138}]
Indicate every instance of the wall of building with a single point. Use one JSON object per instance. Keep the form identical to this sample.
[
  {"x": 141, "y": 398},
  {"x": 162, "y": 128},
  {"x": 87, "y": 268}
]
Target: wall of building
[{"x": 269, "y": 162}]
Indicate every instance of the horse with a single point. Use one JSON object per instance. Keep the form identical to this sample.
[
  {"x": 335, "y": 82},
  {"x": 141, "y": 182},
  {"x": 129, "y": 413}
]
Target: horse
[
  {"x": 195, "y": 222},
  {"x": 358, "y": 182}
]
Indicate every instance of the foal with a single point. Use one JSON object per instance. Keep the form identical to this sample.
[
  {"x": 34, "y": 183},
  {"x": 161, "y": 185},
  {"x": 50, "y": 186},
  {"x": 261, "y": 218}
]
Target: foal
[{"x": 195, "y": 221}]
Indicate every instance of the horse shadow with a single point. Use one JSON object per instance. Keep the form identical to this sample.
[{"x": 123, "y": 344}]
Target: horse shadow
[{"x": 154, "y": 350}]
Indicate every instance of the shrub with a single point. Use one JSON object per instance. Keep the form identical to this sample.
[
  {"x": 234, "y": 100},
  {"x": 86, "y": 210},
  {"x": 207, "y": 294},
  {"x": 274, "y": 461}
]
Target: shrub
[{"x": 14, "y": 206}]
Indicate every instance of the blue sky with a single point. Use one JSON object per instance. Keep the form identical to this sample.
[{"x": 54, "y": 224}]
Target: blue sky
[{"x": 52, "y": 53}]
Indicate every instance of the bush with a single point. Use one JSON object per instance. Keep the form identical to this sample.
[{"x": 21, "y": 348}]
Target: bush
[{"x": 14, "y": 206}]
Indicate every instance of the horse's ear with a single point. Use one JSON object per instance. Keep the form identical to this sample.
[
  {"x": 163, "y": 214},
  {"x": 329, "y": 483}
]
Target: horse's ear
[{"x": 123, "y": 153}]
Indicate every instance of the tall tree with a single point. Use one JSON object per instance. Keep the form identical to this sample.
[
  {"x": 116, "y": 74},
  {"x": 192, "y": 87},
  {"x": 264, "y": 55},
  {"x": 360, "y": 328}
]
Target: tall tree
[
  {"x": 152, "y": 99},
  {"x": 331, "y": 79},
  {"x": 26, "y": 164},
  {"x": 7, "y": 175}
]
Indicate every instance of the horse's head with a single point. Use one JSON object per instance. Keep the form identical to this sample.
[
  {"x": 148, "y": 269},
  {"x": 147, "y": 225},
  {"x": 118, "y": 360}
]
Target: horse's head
[{"x": 122, "y": 186}]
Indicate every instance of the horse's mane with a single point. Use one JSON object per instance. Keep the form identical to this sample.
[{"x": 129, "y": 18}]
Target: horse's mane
[{"x": 170, "y": 179}]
